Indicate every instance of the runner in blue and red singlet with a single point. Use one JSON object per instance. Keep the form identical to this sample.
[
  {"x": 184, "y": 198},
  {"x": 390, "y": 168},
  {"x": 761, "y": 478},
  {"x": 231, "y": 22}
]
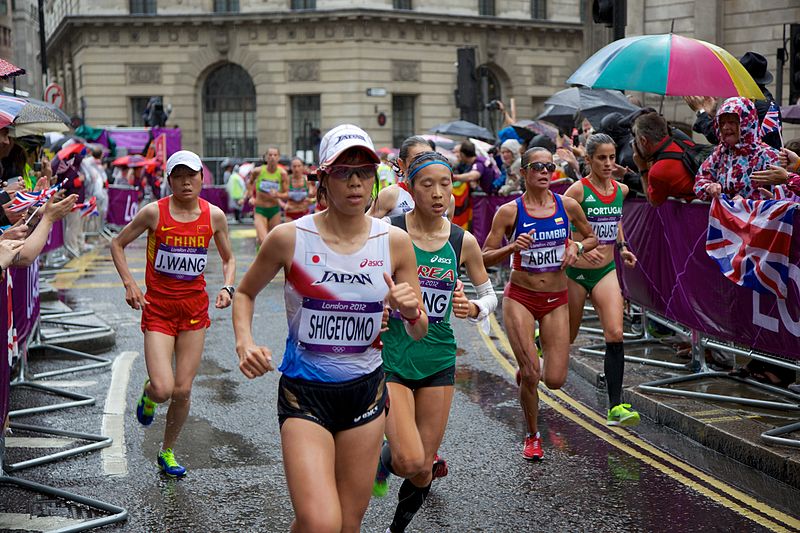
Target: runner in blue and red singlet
[{"x": 537, "y": 228}]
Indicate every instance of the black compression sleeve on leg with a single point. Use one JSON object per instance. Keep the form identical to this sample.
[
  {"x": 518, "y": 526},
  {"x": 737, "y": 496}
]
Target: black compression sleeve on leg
[
  {"x": 411, "y": 499},
  {"x": 386, "y": 457},
  {"x": 614, "y": 367}
]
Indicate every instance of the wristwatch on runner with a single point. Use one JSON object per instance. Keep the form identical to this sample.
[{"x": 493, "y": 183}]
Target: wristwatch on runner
[
  {"x": 230, "y": 288},
  {"x": 580, "y": 247}
]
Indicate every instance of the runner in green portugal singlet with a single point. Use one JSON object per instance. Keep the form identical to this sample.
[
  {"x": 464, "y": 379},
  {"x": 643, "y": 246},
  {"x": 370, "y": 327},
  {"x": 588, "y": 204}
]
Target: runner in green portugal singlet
[
  {"x": 267, "y": 184},
  {"x": 594, "y": 275}
]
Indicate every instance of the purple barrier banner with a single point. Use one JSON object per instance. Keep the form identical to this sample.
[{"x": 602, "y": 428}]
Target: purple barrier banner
[
  {"x": 123, "y": 203},
  {"x": 216, "y": 195},
  {"x": 676, "y": 278},
  {"x": 5, "y": 356},
  {"x": 25, "y": 300},
  {"x": 56, "y": 238},
  {"x": 483, "y": 209},
  {"x": 135, "y": 139}
]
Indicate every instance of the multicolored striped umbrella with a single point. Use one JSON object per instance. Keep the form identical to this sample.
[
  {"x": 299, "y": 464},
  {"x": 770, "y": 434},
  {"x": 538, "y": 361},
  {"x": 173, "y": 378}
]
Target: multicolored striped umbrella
[
  {"x": 10, "y": 107},
  {"x": 667, "y": 64}
]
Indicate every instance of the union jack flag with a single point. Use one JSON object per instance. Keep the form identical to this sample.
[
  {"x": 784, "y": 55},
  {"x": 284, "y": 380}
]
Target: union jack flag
[
  {"x": 24, "y": 200},
  {"x": 88, "y": 209},
  {"x": 750, "y": 240},
  {"x": 772, "y": 120}
]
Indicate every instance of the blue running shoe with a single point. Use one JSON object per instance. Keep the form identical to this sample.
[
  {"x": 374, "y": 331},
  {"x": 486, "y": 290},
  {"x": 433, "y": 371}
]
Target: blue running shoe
[
  {"x": 146, "y": 408},
  {"x": 168, "y": 464}
]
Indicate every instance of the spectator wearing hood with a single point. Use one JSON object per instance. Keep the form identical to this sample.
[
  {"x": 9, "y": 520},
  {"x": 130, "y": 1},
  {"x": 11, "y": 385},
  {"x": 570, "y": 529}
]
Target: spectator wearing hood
[
  {"x": 740, "y": 152},
  {"x": 756, "y": 65},
  {"x": 510, "y": 172}
]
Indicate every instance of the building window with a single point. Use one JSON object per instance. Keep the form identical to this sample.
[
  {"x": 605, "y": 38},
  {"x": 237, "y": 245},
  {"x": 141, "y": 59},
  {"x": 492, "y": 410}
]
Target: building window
[
  {"x": 486, "y": 8},
  {"x": 539, "y": 9},
  {"x": 226, "y": 6},
  {"x": 402, "y": 117},
  {"x": 143, "y": 7},
  {"x": 229, "y": 113},
  {"x": 3, "y": 7},
  {"x": 303, "y": 4},
  {"x": 305, "y": 126},
  {"x": 138, "y": 106},
  {"x": 402, "y": 4}
]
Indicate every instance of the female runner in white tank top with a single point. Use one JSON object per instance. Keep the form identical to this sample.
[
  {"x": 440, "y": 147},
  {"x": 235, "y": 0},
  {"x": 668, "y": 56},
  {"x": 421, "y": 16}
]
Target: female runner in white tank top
[{"x": 339, "y": 266}]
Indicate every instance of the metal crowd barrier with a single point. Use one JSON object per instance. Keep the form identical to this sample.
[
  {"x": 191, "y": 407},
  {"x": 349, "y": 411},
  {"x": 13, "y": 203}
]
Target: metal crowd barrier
[
  {"x": 115, "y": 513},
  {"x": 676, "y": 277}
]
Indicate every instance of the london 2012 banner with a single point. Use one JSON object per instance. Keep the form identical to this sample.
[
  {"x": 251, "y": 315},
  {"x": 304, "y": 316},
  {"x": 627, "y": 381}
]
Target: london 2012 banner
[{"x": 676, "y": 278}]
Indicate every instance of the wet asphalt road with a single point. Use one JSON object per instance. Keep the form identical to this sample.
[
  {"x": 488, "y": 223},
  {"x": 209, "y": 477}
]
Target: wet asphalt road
[{"x": 592, "y": 478}]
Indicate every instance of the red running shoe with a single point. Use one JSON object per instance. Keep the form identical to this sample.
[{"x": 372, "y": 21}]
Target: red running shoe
[
  {"x": 533, "y": 449},
  {"x": 439, "y": 467}
]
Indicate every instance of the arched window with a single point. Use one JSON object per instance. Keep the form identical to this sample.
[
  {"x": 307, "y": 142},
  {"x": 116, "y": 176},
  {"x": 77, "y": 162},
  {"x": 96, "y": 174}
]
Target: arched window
[{"x": 229, "y": 113}]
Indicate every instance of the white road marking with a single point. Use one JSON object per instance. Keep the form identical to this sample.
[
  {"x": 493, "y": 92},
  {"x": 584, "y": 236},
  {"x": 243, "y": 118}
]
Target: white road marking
[
  {"x": 67, "y": 384},
  {"x": 26, "y": 522},
  {"x": 37, "y": 442},
  {"x": 114, "y": 461}
]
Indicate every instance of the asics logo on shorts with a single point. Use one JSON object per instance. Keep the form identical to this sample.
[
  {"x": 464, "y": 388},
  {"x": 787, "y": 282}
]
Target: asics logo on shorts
[{"x": 367, "y": 414}]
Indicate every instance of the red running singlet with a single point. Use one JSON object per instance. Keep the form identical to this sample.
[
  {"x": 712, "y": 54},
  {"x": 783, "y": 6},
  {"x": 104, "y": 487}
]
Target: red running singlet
[{"x": 177, "y": 253}]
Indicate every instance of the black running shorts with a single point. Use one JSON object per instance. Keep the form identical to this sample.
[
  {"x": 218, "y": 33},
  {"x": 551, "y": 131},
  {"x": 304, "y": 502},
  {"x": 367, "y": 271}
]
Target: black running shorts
[
  {"x": 442, "y": 378},
  {"x": 334, "y": 406}
]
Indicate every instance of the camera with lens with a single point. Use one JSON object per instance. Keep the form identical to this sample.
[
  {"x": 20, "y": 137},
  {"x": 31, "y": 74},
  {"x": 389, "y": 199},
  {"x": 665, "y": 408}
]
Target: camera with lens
[{"x": 494, "y": 105}]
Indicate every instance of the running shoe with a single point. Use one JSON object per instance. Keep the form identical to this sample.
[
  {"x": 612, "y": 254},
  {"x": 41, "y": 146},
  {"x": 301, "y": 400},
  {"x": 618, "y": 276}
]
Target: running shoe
[
  {"x": 381, "y": 485},
  {"x": 439, "y": 467},
  {"x": 168, "y": 464},
  {"x": 146, "y": 408},
  {"x": 622, "y": 415},
  {"x": 533, "y": 448}
]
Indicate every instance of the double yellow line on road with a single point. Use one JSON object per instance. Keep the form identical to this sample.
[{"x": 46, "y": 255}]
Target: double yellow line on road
[{"x": 710, "y": 487}]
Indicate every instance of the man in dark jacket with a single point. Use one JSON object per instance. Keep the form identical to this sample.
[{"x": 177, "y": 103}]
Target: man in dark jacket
[{"x": 756, "y": 65}]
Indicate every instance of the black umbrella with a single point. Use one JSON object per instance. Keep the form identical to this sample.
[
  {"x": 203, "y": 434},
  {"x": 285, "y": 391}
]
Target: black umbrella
[
  {"x": 791, "y": 113},
  {"x": 593, "y": 104},
  {"x": 463, "y": 128},
  {"x": 527, "y": 129}
]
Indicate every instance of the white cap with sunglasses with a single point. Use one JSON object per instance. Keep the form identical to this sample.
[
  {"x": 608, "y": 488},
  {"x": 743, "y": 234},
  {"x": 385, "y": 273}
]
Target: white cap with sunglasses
[{"x": 342, "y": 138}]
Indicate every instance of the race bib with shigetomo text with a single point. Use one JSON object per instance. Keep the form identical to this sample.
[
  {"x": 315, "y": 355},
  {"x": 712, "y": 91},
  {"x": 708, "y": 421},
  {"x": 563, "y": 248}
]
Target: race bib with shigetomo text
[
  {"x": 605, "y": 228},
  {"x": 268, "y": 186},
  {"x": 181, "y": 262},
  {"x": 339, "y": 327}
]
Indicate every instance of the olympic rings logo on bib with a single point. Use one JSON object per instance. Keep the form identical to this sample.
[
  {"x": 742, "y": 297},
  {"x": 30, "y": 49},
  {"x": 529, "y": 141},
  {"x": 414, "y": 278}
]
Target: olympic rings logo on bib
[{"x": 339, "y": 327}]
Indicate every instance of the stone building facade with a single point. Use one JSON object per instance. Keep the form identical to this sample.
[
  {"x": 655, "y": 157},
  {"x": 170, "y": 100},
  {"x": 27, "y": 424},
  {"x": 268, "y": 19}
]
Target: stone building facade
[
  {"x": 276, "y": 70},
  {"x": 266, "y": 74}
]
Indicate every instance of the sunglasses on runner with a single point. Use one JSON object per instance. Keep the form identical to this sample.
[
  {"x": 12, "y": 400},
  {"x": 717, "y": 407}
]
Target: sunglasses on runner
[
  {"x": 343, "y": 172},
  {"x": 538, "y": 167}
]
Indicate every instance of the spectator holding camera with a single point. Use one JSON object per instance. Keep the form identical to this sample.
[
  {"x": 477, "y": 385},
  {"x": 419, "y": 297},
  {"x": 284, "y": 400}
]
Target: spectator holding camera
[{"x": 659, "y": 160}]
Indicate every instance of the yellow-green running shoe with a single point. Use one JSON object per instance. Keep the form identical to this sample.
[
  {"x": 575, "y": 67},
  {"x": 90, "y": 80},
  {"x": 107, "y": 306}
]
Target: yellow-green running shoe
[
  {"x": 146, "y": 408},
  {"x": 168, "y": 464},
  {"x": 622, "y": 415}
]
